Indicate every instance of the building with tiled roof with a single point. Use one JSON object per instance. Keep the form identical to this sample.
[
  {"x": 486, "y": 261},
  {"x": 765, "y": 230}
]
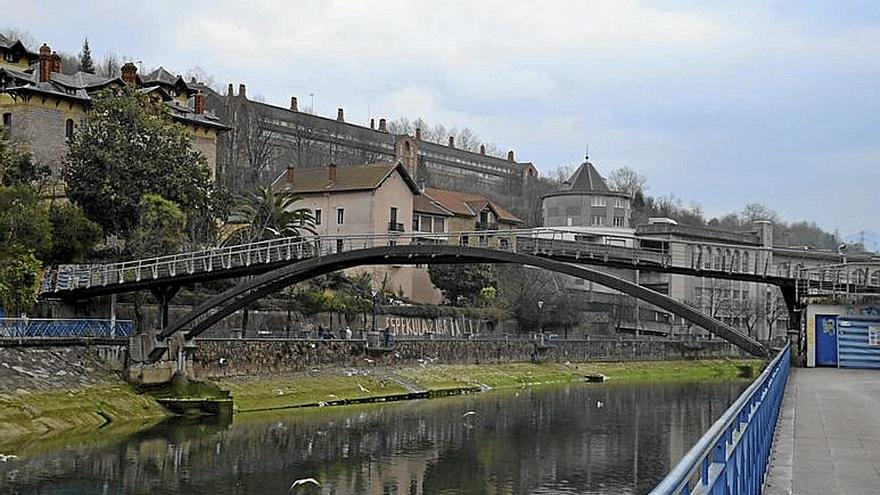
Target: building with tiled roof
[
  {"x": 41, "y": 106},
  {"x": 376, "y": 198},
  {"x": 584, "y": 201},
  {"x": 470, "y": 211}
]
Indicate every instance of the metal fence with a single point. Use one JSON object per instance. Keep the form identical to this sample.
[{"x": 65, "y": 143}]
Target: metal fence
[
  {"x": 732, "y": 457},
  {"x": 700, "y": 256},
  {"x": 65, "y": 328}
]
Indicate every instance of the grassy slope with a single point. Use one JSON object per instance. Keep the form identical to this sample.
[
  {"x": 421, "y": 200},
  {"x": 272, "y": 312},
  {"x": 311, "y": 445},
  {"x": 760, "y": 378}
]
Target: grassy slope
[{"x": 254, "y": 394}]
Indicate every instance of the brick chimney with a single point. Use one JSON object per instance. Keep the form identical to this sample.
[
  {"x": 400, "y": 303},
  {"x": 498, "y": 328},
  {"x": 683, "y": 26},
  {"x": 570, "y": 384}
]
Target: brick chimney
[
  {"x": 482, "y": 149},
  {"x": 45, "y": 62},
  {"x": 129, "y": 73},
  {"x": 340, "y": 115},
  {"x": 56, "y": 62},
  {"x": 294, "y": 106},
  {"x": 200, "y": 102},
  {"x": 372, "y": 123},
  {"x": 229, "y": 90},
  {"x": 452, "y": 141},
  {"x": 418, "y": 134},
  {"x": 289, "y": 175},
  {"x": 331, "y": 171},
  {"x": 382, "y": 125},
  {"x": 242, "y": 91},
  {"x": 510, "y": 156}
]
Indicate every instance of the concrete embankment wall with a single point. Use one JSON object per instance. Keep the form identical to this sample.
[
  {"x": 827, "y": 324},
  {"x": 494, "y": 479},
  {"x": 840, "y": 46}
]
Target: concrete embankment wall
[
  {"x": 48, "y": 368},
  {"x": 234, "y": 357}
]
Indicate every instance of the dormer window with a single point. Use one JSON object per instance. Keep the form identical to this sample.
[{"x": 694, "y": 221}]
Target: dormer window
[{"x": 10, "y": 57}]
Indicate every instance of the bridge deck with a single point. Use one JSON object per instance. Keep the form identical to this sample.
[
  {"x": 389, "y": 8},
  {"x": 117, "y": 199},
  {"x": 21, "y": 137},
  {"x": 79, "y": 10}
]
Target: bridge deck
[{"x": 828, "y": 438}]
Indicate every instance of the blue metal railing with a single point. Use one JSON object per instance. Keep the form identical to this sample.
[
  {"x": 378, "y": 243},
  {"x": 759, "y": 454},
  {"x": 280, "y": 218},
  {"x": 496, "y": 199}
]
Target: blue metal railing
[
  {"x": 732, "y": 457},
  {"x": 66, "y": 328}
]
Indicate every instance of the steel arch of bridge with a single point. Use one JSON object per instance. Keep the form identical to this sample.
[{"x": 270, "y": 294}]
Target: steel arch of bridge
[{"x": 222, "y": 305}]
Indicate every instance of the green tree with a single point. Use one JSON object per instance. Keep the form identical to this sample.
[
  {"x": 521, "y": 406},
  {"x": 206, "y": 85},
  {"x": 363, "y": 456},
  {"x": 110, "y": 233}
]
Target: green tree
[
  {"x": 160, "y": 230},
  {"x": 73, "y": 234},
  {"x": 86, "y": 64},
  {"x": 19, "y": 279},
  {"x": 269, "y": 214},
  {"x": 24, "y": 221},
  {"x": 128, "y": 146},
  {"x": 461, "y": 283}
]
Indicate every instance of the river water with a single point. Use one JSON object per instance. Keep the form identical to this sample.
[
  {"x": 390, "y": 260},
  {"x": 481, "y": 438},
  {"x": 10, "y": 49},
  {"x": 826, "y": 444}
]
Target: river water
[{"x": 579, "y": 438}]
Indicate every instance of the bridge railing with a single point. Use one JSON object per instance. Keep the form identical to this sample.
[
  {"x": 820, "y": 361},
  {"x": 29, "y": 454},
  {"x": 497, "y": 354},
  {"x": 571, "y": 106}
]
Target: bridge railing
[
  {"x": 707, "y": 257},
  {"x": 732, "y": 456},
  {"x": 64, "y": 328}
]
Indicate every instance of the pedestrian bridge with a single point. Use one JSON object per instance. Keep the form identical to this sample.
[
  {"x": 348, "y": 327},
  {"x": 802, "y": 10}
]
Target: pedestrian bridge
[
  {"x": 278, "y": 263},
  {"x": 734, "y": 262}
]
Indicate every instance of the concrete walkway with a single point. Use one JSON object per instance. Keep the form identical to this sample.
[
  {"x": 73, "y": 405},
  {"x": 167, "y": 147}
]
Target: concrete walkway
[{"x": 828, "y": 436}]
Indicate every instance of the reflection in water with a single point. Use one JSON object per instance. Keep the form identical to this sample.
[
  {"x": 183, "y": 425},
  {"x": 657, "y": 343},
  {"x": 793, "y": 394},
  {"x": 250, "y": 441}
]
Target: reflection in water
[{"x": 583, "y": 438}]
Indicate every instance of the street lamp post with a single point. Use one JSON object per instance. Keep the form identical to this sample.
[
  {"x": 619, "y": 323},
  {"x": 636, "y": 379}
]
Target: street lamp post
[
  {"x": 541, "y": 316},
  {"x": 374, "y": 292}
]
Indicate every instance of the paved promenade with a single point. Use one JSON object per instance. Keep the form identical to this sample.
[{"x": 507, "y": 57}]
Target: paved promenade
[{"x": 828, "y": 437}]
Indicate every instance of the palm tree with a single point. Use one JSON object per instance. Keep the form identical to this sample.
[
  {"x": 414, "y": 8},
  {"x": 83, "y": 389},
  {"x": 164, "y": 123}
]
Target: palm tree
[{"x": 269, "y": 214}]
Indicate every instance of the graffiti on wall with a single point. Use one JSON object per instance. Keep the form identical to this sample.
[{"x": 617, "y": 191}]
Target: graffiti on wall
[{"x": 442, "y": 326}]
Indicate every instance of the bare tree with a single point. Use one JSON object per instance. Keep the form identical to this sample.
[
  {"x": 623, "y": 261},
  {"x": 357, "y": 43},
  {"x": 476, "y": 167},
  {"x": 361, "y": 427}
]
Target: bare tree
[
  {"x": 255, "y": 144},
  {"x": 627, "y": 180},
  {"x": 753, "y": 212},
  {"x": 26, "y": 38}
]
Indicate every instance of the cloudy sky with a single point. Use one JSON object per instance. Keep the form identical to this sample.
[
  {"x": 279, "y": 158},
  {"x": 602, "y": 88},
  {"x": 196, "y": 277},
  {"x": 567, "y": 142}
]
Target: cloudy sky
[{"x": 722, "y": 103}]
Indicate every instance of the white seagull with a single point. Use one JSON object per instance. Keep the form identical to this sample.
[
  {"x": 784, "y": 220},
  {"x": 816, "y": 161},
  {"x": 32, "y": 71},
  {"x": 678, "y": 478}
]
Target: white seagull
[
  {"x": 303, "y": 482},
  {"x": 469, "y": 413},
  {"x": 6, "y": 458}
]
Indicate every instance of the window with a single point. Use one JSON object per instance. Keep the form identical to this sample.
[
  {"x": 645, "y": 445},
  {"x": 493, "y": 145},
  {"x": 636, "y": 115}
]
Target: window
[
  {"x": 573, "y": 211},
  {"x": 464, "y": 240},
  {"x": 68, "y": 130},
  {"x": 317, "y": 216},
  {"x": 620, "y": 203},
  {"x": 439, "y": 225},
  {"x": 598, "y": 201},
  {"x": 339, "y": 246},
  {"x": 7, "y": 121},
  {"x": 618, "y": 221},
  {"x": 10, "y": 57},
  {"x": 416, "y": 224},
  {"x": 392, "y": 243},
  {"x": 597, "y": 220},
  {"x": 340, "y": 216},
  {"x": 393, "y": 214}
]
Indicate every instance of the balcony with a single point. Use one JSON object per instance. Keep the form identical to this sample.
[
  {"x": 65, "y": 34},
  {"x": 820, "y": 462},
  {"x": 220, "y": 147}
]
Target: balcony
[
  {"x": 395, "y": 227},
  {"x": 486, "y": 226}
]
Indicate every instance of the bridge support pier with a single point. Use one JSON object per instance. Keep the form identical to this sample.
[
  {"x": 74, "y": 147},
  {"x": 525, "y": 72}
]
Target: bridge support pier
[
  {"x": 163, "y": 295},
  {"x": 152, "y": 361}
]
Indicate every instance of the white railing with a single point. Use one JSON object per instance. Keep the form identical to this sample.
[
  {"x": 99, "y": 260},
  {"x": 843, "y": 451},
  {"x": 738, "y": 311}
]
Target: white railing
[{"x": 710, "y": 258}]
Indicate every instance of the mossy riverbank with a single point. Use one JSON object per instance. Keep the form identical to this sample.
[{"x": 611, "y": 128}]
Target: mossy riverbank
[
  {"x": 26, "y": 416},
  {"x": 335, "y": 387}
]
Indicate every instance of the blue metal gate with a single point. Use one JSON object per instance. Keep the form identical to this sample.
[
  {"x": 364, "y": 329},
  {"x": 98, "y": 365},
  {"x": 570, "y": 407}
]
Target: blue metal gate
[
  {"x": 858, "y": 341},
  {"x": 826, "y": 340}
]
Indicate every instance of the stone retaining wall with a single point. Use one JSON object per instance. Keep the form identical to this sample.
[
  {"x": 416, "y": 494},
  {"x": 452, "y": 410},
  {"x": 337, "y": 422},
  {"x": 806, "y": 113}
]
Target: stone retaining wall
[{"x": 233, "y": 357}]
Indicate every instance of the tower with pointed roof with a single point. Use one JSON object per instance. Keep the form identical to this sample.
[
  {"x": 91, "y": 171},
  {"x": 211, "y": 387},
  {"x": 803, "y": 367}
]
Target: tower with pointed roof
[{"x": 585, "y": 200}]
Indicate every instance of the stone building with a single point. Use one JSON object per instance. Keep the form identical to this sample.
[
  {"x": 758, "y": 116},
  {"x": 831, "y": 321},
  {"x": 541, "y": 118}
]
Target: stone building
[
  {"x": 41, "y": 107},
  {"x": 585, "y": 200},
  {"x": 268, "y": 139}
]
